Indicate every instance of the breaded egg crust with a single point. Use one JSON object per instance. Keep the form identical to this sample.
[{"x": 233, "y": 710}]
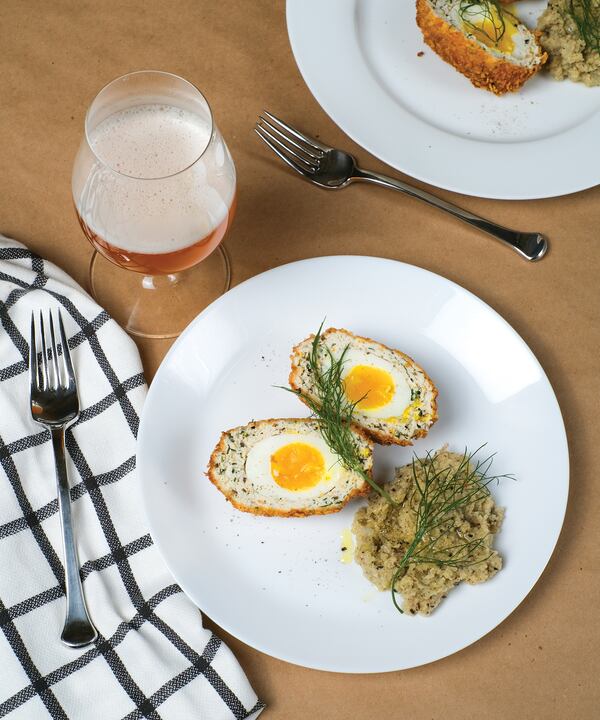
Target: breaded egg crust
[{"x": 468, "y": 49}]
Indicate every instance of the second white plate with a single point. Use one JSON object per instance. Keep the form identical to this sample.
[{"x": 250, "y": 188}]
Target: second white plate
[
  {"x": 361, "y": 61},
  {"x": 277, "y": 583}
]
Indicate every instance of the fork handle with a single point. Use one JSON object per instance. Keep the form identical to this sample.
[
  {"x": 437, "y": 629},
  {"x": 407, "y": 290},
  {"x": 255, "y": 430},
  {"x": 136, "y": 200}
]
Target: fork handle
[
  {"x": 78, "y": 630},
  {"x": 531, "y": 246}
]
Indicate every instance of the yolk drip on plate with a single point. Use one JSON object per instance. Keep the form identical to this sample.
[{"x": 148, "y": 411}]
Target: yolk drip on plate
[
  {"x": 297, "y": 466},
  {"x": 492, "y": 26},
  {"x": 347, "y": 547},
  {"x": 369, "y": 387}
]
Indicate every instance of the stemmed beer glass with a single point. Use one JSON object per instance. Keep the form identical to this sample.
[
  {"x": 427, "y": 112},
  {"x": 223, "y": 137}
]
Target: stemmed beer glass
[{"x": 154, "y": 188}]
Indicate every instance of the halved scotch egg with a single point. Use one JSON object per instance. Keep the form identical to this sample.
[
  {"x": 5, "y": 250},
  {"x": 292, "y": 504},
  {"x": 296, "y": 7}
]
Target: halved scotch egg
[
  {"x": 483, "y": 41},
  {"x": 285, "y": 467},
  {"x": 395, "y": 398}
]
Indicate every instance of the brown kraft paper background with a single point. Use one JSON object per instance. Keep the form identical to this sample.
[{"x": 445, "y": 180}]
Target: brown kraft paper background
[{"x": 543, "y": 661}]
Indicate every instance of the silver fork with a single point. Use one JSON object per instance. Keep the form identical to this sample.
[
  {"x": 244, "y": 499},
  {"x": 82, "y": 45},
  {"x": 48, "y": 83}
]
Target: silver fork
[
  {"x": 55, "y": 404},
  {"x": 334, "y": 169}
]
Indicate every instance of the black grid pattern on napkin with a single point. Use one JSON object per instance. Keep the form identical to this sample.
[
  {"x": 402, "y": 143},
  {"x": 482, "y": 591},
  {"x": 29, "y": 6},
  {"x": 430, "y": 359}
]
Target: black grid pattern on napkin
[{"x": 143, "y": 705}]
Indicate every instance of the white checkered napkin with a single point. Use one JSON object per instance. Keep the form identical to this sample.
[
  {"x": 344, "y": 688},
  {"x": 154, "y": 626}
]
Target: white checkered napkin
[{"x": 153, "y": 658}]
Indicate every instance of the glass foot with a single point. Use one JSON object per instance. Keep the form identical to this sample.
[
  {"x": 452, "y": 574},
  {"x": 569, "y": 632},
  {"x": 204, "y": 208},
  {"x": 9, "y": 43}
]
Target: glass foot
[{"x": 158, "y": 306}]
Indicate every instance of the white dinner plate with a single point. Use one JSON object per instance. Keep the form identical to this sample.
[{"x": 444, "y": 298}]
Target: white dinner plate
[
  {"x": 278, "y": 583},
  {"x": 360, "y": 60}
]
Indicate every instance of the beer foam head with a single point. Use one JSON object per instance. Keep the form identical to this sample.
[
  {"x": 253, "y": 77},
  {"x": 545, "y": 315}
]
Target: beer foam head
[
  {"x": 150, "y": 141},
  {"x": 163, "y": 179}
]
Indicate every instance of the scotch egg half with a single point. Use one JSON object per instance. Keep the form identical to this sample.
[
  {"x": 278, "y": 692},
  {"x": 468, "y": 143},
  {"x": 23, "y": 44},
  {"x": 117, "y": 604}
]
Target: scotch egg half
[
  {"x": 394, "y": 398},
  {"x": 484, "y": 41},
  {"x": 285, "y": 467}
]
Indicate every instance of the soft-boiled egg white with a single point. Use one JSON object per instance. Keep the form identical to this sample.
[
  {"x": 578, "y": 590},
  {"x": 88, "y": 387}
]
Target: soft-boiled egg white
[
  {"x": 294, "y": 464},
  {"x": 379, "y": 388}
]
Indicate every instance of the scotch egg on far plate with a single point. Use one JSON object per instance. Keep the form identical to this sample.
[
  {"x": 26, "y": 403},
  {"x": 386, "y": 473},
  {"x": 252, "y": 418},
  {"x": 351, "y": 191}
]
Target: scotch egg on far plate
[
  {"x": 483, "y": 40},
  {"x": 395, "y": 398},
  {"x": 285, "y": 467}
]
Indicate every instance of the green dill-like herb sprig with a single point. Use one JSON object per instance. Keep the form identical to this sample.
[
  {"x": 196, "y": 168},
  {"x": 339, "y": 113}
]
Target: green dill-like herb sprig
[
  {"x": 586, "y": 16},
  {"x": 333, "y": 411},
  {"x": 440, "y": 492},
  {"x": 475, "y": 13}
]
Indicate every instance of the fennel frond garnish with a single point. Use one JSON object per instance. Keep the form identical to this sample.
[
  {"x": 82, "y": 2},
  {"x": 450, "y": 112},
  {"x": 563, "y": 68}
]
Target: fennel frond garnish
[
  {"x": 333, "y": 411},
  {"x": 438, "y": 492},
  {"x": 586, "y": 16},
  {"x": 484, "y": 17}
]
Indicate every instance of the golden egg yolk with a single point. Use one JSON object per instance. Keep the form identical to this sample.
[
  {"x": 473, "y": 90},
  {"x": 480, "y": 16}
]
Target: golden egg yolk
[
  {"x": 369, "y": 387},
  {"x": 297, "y": 466},
  {"x": 486, "y": 24}
]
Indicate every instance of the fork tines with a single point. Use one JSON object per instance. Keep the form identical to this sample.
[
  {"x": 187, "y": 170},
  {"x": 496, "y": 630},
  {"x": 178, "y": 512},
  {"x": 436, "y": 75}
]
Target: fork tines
[
  {"x": 301, "y": 152},
  {"x": 51, "y": 373}
]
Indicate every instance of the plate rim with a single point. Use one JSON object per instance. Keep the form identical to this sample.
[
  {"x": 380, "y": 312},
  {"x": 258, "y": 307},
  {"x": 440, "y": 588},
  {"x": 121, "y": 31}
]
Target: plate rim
[
  {"x": 289, "y": 657},
  {"x": 476, "y": 188}
]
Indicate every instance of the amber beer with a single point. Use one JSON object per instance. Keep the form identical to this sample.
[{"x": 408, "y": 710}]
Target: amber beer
[
  {"x": 161, "y": 195},
  {"x": 160, "y": 263}
]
